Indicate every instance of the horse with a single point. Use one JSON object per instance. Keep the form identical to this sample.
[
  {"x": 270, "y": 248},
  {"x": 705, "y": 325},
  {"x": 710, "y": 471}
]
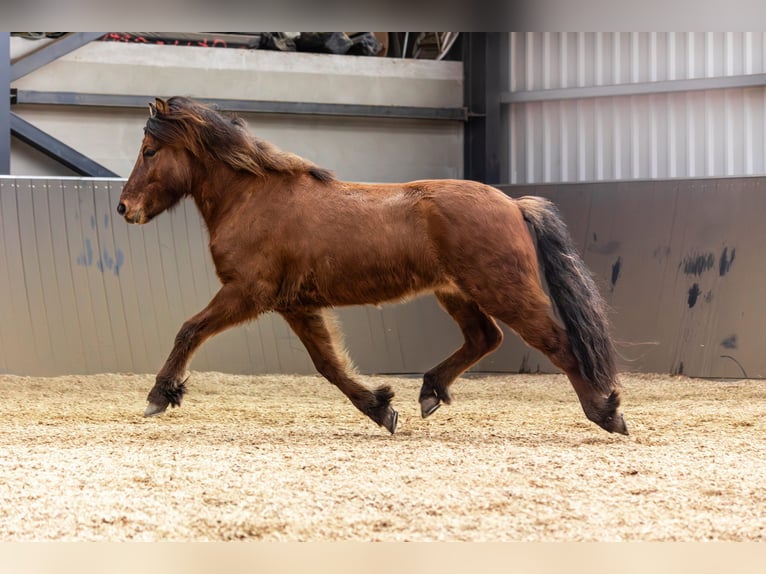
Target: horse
[{"x": 288, "y": 236}]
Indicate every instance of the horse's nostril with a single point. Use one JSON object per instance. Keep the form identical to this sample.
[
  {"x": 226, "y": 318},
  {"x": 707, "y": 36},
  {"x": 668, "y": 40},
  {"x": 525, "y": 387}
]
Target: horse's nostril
[{"x": 121, "y": 209}]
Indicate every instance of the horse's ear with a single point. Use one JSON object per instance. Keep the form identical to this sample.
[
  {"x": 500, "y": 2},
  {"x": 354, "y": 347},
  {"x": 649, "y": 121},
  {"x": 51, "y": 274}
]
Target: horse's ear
[
  {"x": 152, "y": 110},
  {"x": 161, "y": 105}
]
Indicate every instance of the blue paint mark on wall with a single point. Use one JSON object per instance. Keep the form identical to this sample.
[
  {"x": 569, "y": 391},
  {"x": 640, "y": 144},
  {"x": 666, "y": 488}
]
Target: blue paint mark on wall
[
  {"x": 86, "y": 257},
  {"x": 107, "y": 261},
  {"x": 119, "y": 260}
]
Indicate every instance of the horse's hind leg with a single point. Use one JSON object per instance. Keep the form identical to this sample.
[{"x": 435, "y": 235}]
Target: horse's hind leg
[
  {"x": 318, "y": 334},
  {"x": 530, "y": 317},
  {"x": 482, "y": 336}
]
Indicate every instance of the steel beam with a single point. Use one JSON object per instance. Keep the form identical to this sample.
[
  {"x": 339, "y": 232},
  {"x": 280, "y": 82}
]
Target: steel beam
[
  {"x": 56, "y": 149},
  {"x": 251, "y": 106},
  {"x": 5, "y": 103},
  {"x": 485, "y": 64},
  {"x": 50, "y": 52},
  {"x": 635, "y": 89}
]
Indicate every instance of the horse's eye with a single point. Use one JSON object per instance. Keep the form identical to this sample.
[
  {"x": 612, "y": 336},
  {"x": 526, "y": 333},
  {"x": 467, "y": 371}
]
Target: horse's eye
[{"x": 149, "y": 152}]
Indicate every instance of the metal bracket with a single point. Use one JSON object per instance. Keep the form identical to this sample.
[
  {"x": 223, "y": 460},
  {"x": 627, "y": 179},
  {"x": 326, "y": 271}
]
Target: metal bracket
[
  {"x": 56, "y": 149},
  {"x": 50, "y": 52},
  {"x": 12, "y": 124}
]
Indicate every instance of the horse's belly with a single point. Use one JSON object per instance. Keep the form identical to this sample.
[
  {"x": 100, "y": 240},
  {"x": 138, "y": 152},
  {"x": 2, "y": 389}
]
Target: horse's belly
[
  {"x": 382, "y": 254},
  {"x": 379, "y": 283}
]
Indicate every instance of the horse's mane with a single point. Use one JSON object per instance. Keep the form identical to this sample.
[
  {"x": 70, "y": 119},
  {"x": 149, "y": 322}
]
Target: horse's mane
[{"x": 203, "y": 130}]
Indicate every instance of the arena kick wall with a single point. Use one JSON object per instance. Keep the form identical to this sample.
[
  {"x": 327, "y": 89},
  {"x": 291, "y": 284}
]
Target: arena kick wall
[{"x": 81, "y": 291}]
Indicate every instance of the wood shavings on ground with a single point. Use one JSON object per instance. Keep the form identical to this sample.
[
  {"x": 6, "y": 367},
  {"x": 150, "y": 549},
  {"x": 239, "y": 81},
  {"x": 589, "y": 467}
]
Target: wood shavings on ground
[{"x": 283, "y": 457}]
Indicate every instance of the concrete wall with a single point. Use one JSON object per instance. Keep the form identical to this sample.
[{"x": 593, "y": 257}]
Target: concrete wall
[{"x": 357, "y": 148}]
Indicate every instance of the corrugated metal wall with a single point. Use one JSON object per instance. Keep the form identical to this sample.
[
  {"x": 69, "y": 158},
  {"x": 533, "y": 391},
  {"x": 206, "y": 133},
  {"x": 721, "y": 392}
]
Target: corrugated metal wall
[{"x": 561, "y": 132}]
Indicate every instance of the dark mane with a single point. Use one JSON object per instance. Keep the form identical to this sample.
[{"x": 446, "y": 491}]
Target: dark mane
[{"x": 205, "y": 131}]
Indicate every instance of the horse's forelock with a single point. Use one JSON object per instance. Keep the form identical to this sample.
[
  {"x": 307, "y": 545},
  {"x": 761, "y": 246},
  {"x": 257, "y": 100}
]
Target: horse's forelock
[
  {"x": 202, "y": 129},
  {"x": 181, "y": 122}
]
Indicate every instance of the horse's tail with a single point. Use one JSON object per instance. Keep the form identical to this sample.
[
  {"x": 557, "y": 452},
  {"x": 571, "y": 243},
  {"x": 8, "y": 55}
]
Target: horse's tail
[{"x": 579, "y": 303}]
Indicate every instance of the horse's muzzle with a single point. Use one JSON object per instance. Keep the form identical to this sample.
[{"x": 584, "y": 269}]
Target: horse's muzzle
[{"x": 132, "y": 215}]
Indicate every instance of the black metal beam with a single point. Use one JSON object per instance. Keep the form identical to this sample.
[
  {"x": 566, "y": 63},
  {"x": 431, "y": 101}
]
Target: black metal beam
[
  {"x": 485, "y": 65},
  {"x": 250, "y": 106},
  {"x": 5, "y": 103},
  {"x": 50, "y": 52},
  {"x": 56, "y": 149}
]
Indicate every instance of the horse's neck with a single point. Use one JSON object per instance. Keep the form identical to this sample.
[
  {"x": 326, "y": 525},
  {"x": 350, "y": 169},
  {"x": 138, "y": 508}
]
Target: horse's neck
[{"x": 218, "y": 193}]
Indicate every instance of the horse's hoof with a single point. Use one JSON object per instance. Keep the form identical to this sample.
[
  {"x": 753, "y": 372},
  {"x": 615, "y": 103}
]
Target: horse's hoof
[
  {"x": 615, "y": 424},
  {"x": 390, "y": 420},
  {"x": 153, "y": 410},
  {"x": 620, "y": 426},
  {"x": 429, "y": 404}
]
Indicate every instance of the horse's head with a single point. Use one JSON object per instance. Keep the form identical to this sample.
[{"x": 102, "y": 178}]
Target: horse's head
[{"x": 161, "y": 175}]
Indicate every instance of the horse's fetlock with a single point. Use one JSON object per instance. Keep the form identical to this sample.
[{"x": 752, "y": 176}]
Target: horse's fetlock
[{"x": 167, "y": 391}]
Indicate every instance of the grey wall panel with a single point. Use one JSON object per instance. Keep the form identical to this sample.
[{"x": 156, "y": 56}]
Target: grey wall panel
[
  {"x": 81, "y": 291},
  {"x": 679, "y": 265},
  {"x": 15, "y": 312},
  {"x": 84, "y": 292}
]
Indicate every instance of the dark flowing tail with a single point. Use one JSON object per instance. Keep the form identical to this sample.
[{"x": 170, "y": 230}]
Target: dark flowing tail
[{"x": 579, "y": 303}]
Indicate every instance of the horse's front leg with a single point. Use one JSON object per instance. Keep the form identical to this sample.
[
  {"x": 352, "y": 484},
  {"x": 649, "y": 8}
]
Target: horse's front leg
[
  {"x": 319, "y": 334},
  {"x": 228, "y": 307}
]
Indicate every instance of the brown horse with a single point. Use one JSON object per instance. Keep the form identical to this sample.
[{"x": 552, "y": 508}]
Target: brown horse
[{"x": 287, "y": 236}]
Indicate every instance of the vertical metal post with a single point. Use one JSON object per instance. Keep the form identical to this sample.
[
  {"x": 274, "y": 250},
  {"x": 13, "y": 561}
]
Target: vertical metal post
[
  {"x": 5, "y": 103},
  {"x": 486, "y": 136}
]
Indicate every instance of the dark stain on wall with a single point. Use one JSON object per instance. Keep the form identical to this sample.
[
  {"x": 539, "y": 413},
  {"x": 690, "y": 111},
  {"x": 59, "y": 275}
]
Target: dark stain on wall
[
  {"x": 724, "y": 264},
  {"x": 730, "y": 342},
  {"x": 616, "y": 267},
  {"x": 661, "y": 253},
  {"x": 694, "y": 293},
  {"x": 697, "y": 264},
  {"x": 524, "y": 366}
]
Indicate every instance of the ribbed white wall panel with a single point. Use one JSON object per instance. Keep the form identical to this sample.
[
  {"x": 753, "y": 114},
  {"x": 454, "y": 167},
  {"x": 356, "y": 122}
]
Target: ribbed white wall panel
[{"x": 686, "y": 134}]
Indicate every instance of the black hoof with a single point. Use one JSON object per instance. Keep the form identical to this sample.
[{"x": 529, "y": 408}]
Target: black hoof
[
  {"x": 390, "y": 420},
  {"x": 429, "y": 404},
  {"x": 619, "y": 426},
  {"x": 152, "y": 410}
]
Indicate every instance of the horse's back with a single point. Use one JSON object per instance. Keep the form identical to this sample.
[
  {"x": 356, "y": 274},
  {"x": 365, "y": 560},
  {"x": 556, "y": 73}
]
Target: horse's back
[{"x": 465, "y": 212}]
